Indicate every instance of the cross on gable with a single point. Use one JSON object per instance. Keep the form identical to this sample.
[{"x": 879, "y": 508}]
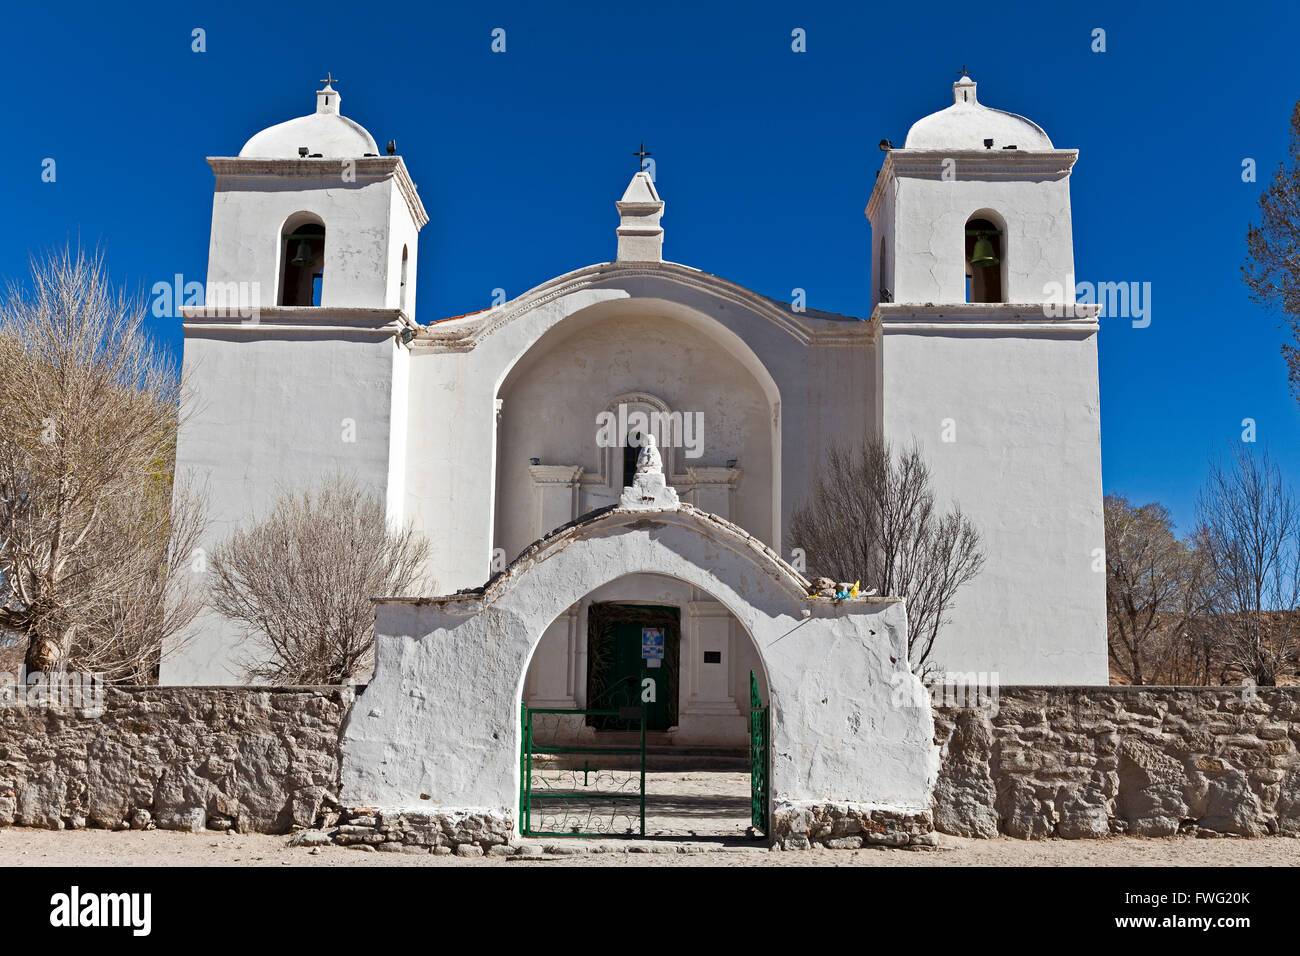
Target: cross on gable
[{"x": 642, "y": 154}]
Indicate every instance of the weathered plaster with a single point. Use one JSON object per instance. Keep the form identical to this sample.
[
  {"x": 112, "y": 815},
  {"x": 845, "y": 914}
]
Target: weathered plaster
[{"x": 438, "y": 727}]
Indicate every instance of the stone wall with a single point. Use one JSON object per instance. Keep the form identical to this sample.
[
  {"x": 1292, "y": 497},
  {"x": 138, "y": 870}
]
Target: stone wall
[
  {"x": 180, "y": 758},
  {"x": 1071, "y": 762},
  {"x": 1079, "y": 762},
  {"x": 465, "y": 832},
  {"x": 850, "y": 826}
]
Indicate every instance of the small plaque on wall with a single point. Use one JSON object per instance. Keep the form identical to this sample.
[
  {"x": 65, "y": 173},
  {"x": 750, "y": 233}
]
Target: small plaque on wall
[{"x": 713, "y": 657}]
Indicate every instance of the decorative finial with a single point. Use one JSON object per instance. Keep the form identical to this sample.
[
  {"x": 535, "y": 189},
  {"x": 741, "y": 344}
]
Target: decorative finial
[
  {"x": 640, "y": 167},
  {"x": 963, "y": 91},
  {"x": 327, "y": 98}
]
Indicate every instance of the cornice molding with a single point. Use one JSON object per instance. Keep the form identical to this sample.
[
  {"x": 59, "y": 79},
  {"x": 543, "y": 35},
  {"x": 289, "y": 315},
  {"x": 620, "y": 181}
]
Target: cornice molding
[
  {"x": 555, "y": 474},
  {"x": 241, "y": 171},
  {"x": 991, "y": 165},
  {"x": 321, "y": 320},
  {"x": 712, "y": 475},
  {"x": 724, "y": 533},
  {"x": 466, "y": 333},
  {"x": 987, "y": 317}
]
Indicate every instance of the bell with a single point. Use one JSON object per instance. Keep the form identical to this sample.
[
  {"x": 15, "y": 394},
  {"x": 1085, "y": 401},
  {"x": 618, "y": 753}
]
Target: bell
[
  {"x": 983, "y": 256},
  {"x": 304, "y": 257}
]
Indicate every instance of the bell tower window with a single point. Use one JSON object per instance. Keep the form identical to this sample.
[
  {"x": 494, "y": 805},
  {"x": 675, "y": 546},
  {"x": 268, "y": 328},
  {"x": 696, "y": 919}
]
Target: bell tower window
[
  {"x": 983, "y": 261},
  {"x": 302, "y": 264}
]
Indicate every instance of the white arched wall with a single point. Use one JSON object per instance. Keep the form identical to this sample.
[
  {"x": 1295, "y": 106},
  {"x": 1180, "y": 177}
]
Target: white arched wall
[
  {"x": 458, "y": 367},
  {"x": 553, "y": 389},
  {"x": 550, "y": 406},
  {"x": 437, "y": 729}
]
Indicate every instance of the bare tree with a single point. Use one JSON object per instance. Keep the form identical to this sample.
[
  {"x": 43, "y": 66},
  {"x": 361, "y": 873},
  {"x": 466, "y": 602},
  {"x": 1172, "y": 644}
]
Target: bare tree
[
  {"x": 301, "y": 579},
  {"x": 1153, "y": 583},
  {"x": 1272, "y": 269},
  {"x": 872, "y": 516},
  {"x": 1188, "y": 656},
  {"x": 92, "y": 540},
  {"x": 157, "y": 594},
  {"x": 1249, "y": 532}
]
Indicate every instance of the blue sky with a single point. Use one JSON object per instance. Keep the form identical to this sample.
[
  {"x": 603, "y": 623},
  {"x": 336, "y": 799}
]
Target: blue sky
[{"x": 765, "y": 157}]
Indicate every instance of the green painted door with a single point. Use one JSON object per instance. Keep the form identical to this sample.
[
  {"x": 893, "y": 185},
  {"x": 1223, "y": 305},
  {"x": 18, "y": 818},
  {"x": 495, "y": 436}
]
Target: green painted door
[
  {"x": 644, "y": 677},
  {"x": 632, "y": 660}
]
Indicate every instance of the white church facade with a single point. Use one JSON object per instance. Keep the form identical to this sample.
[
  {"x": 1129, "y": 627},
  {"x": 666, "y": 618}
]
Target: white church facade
[{"x": 489, "y": 431}]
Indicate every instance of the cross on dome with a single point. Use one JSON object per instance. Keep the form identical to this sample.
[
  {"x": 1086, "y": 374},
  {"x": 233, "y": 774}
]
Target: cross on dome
[{"x": 324, "y": 132}]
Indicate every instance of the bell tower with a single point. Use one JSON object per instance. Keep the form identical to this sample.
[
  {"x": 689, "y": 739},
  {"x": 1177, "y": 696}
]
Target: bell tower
[
  {"x": 985, "y": 362},
  {"x": 971, "y": 179},
  {"x": 309, "y": 214},
  {"x": 298, "y": 363}
]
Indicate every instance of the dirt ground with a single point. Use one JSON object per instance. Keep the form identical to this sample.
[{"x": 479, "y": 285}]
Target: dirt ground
[
  {"x": 23, "y": 847},
  {"x": 692, "y": 819}
]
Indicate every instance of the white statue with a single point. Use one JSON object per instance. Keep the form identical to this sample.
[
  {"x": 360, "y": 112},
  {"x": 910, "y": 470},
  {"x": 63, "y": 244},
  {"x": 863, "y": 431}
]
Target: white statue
[
  {"x": 649, "y": 489},
  {"x": 648, "y": 460}
]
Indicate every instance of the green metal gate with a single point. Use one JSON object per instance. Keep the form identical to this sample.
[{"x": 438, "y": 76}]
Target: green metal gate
[
  {"x": 760, "y": 754},
  {"x": 567, "y": 788}
]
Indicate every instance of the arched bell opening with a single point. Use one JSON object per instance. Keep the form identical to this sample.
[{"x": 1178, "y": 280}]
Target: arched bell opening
[
  {"x": 302, "y": 262},
  {"x": 984, "y": 260}
]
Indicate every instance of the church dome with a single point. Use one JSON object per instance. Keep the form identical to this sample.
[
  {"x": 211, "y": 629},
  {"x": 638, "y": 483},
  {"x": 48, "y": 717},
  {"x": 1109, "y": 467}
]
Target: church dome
[
  {"x": 967, "y": 124},
  {"x": 326, "y": 132}
]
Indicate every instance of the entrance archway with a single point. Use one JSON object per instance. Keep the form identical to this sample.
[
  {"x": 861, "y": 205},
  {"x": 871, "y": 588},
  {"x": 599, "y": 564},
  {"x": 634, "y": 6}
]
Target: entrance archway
[
  {"x": 437, "y": 731},
  {"x": 650, "y": 653},
  {"x": 703, "y": 676}
]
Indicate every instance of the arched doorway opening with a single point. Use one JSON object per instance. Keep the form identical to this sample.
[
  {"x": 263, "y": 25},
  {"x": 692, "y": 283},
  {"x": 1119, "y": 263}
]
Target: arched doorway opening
[{"x": 641, "y": 717}]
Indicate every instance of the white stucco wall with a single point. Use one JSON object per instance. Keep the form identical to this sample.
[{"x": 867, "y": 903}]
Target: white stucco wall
[
  {"x": 777, "y": 387},
  {"x": 552, "y": 398},
  {"x": 1025, "y": 466},
  {"x": 269, "y": 411},
  {"x": 458, "y": 368},
  {"x": 922, "y": 217},
  {"x": 1002, "y": 397},
  {"x": 438, "y": 726},
  {"x": 367, "y": 221}
]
